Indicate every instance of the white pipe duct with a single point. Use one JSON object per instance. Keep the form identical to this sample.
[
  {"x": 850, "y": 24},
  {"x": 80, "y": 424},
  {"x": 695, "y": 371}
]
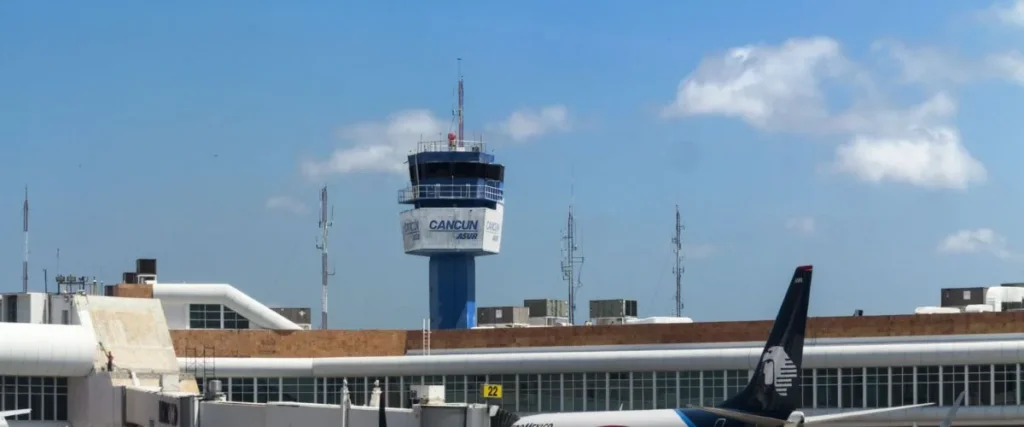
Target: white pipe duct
[
  {"x": 815, "y": 356},
  {"x": 29, "y": 349},
  {"x": 226, "y": 295}
]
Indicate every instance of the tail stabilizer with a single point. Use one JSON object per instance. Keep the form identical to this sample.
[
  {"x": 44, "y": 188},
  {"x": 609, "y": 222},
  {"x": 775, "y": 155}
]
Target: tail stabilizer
[
  {"x": 763, "y": 421},
  {"x": 831, "y": 418},
  {"x": 774, "y": 390}
]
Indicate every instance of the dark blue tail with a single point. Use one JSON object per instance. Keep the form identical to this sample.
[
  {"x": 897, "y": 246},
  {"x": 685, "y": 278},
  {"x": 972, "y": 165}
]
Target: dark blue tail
[{"x": 774, "y": 390}]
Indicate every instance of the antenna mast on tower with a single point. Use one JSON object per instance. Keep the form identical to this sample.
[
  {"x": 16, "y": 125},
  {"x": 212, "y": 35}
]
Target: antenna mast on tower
[
  {"x": 677, "y": 242},
  {"x": 461, "y": 105},
  {"x": 325, "y": 223},
  {"x": 572, "y": 263},
  {"x": 24, "y": 263}
]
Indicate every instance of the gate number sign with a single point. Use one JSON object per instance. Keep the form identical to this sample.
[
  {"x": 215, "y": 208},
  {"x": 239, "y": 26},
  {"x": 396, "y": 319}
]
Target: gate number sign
[{"x": 492, "y": 391}]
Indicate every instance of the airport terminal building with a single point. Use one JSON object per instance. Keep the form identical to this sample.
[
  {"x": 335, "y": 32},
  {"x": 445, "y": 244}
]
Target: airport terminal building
[
  {"x": 175, "y": 336},
  {"x": 839, "y": 373},
  {"x": 849, "y": 362}
]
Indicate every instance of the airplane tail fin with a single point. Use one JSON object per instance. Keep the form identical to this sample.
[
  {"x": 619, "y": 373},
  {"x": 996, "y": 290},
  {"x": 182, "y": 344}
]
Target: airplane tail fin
[{"x": 774, "y": 390}]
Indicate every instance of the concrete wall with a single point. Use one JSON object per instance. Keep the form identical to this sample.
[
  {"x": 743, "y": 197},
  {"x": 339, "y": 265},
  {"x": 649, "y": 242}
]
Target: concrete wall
[
  {"x": 93, "y": 401},
  {"x": 176, "y": 314},
  {"x": 365, "y": 416},
  {"x": 142, "y": 407},
  {"x": 30, "y": 309},
  {"x": 107, "y": 399},
  {"x": 132, "y": 329},
  {"x": 33, "y": 311},
  {"x": 224, "y": 414},
  {"x": 37, "y": 307},
  {"x": 61, "y": 307}
]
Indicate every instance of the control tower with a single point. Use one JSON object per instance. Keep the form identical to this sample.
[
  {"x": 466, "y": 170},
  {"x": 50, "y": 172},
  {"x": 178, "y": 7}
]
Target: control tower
[{"x": 457, "y": 196}]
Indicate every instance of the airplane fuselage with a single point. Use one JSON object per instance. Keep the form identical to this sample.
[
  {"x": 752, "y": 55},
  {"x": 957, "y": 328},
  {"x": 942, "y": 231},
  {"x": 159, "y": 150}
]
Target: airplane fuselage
[{"x": 643, "y": 418}]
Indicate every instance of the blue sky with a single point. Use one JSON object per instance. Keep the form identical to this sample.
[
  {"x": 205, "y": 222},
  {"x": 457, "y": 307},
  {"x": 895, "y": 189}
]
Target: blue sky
[{"x": 788, "y": 132}]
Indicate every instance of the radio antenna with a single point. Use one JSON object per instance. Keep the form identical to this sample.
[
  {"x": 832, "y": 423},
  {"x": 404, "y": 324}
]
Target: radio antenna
[
  {"x": 572, "y": 260},
  {"x": 325, "y": 223},
  {"x": 677, "y": 242}
]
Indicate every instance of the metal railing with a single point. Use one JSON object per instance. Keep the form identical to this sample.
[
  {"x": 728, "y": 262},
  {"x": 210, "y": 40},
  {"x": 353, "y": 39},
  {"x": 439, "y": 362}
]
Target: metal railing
[
  {"x": 451, "y": 192},
  {"x": 446, "y": 146}
]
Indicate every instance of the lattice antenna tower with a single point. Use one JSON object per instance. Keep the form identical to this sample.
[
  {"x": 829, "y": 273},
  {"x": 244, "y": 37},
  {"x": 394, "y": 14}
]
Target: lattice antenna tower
[
  {"x": 325, "y": 224},
  {"x": 572, "y": 263},
  {"x": 679, "y": 269}
]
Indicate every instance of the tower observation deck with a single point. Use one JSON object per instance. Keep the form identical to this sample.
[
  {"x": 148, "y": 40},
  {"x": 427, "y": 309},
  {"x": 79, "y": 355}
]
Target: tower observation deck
[{"x": 457, "y": 197}]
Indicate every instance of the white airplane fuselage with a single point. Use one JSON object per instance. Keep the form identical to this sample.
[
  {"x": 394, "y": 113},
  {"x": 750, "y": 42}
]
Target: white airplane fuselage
[{"x": 640, "y": 418}]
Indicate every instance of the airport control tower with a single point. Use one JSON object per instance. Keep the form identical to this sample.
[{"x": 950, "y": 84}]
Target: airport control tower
[{"x": 457, "y": 198}]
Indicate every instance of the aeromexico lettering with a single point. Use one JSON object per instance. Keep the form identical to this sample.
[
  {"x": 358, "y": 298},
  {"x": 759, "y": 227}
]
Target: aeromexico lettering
[{"x": 465, "y": 229}]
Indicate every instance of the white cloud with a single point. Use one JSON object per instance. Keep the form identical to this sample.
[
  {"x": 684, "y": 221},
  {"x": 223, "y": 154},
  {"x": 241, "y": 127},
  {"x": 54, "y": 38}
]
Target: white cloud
[
  {"x": 979, "y": 240},
  {"x": 770, "y": 87},
  {"x": 378, "y": 146},
  {"x": 936, "y": 67},
  {"x": 384, "y": 146},
  {"x": 285, "y": 203},
  {"x": 804, "y": 225},
  {"x": 526, "y": 123},
  {"x": 783, "y": 88},
  {"x": 1006, "y": 13},
  {"x": 931, "y": 158},
  {"x": 926, "y": 65},
  {"x": 1007, "y": 65}
]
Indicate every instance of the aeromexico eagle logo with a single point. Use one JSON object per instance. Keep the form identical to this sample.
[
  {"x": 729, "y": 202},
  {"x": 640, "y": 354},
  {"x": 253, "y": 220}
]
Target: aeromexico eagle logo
[{"x": 778, "y": 370}]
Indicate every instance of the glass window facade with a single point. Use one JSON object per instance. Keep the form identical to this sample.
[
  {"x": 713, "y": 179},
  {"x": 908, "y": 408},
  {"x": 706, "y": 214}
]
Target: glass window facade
[
  {"x": 871, "y": 387},
  {"x": 46, "y": 396},
  {"x": 876, "y": 387},
  {"x": 215, "y": 316}
]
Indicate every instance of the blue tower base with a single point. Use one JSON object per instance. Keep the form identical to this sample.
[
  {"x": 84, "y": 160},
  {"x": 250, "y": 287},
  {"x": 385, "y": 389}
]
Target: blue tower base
[{"x": 452, "y": 291}]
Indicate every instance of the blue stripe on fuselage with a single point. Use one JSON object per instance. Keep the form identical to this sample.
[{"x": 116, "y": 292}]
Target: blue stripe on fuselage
[{"x": 686, "y": 419}]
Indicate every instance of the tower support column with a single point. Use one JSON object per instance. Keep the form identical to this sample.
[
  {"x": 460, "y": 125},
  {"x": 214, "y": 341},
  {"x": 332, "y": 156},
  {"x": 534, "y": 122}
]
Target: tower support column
[{"x": 452, "y": 291}]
